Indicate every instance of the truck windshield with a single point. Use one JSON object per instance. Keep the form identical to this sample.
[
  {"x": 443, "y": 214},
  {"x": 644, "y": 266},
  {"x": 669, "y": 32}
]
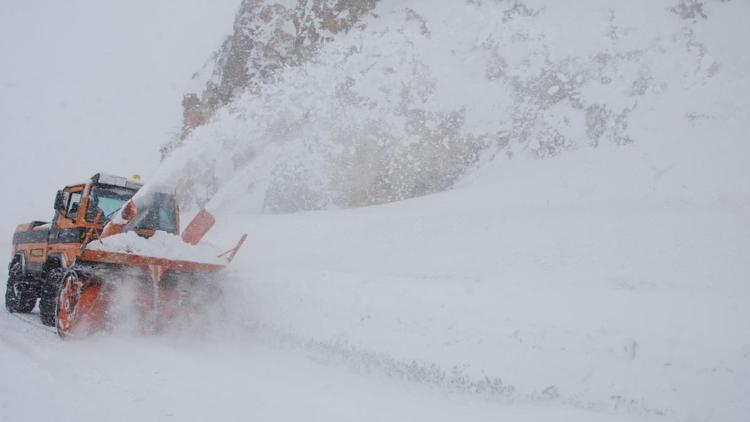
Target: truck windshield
[{"x": 107, "y": 200}]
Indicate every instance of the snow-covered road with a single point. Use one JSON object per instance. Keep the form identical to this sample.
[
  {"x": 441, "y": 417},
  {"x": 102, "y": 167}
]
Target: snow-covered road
[{"x": 213, "y": 377}]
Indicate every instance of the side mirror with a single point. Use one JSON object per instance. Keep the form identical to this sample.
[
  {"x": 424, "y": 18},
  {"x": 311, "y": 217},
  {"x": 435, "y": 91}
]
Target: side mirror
[{"x": 60, "y": 201}]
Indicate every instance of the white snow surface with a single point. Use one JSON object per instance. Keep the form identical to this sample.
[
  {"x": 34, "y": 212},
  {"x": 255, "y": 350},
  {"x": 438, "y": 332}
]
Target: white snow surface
[
  {"x": 632, "y": 305},
  {"x": 606, "y": 283},
  {"x": 160, "y": 245}
]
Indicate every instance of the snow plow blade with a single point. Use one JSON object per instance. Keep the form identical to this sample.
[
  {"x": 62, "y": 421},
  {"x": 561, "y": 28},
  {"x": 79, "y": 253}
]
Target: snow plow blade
[{"x": 87, "y": 289}]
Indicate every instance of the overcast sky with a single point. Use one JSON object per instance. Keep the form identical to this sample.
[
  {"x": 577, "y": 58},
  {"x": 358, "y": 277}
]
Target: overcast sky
[{"x": 92, "y": 85}]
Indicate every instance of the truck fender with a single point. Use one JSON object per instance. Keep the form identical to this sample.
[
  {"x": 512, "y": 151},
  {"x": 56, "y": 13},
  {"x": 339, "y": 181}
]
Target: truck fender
[
  {"x": 54, "y": 261},
  {"x": 20, "y": 257}
]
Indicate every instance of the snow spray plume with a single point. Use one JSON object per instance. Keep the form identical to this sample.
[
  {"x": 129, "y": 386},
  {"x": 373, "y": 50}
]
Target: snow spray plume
[{"x": 411, "y": 99}]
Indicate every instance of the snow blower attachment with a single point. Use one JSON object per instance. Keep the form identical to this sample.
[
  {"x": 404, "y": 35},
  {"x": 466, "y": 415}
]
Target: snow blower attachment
[{"x": 108, "y": 233}]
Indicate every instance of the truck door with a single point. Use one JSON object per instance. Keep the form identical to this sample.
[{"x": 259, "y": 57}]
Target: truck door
[{"x": 65, "y": 227}]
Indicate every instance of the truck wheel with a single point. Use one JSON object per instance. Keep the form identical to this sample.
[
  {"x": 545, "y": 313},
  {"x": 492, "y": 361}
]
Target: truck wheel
[
  {"x": 19, "y": 293},
  {"x": 48, "y": 299}
]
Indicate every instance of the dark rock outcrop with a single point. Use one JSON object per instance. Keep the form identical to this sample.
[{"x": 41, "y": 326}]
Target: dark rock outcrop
[{"x": 267, "y": 36}]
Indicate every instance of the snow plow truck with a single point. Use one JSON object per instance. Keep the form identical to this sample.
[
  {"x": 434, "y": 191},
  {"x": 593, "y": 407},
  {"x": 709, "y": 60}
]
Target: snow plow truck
[{"x": 63, "y": 265}]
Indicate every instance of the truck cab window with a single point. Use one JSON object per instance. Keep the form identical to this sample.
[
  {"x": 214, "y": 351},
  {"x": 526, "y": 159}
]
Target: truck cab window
[
  {"x": 106, "y": 200},
  {"x": 74, "y": 203}
]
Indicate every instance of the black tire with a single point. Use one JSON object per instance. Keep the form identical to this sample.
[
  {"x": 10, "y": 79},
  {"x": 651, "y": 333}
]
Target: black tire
[
  {"x": 20, "y": 295},
  {"x": 48, "y": 299}
]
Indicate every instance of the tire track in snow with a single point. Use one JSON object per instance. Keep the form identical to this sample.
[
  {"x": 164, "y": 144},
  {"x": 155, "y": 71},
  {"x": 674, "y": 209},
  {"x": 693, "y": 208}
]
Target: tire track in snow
[{"x": 452, "y": 380}]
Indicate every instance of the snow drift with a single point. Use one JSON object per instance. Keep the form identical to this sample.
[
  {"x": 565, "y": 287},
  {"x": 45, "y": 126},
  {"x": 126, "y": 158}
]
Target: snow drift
[{"x": 540, "y": 284}]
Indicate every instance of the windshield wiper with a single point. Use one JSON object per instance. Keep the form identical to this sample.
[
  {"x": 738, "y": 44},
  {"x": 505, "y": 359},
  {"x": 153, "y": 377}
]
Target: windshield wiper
[{"x": 111, "y": 214}]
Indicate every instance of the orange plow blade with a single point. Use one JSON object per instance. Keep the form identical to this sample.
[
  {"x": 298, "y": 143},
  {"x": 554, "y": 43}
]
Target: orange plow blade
[
  {"x": 81, "y": 307},
  {"x": 87, "y": 292},
  {"x": 166, "y": 290}
]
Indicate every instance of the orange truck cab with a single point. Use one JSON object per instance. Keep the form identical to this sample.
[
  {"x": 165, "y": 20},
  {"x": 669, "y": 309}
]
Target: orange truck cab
[{"x": 42, "y": 251}]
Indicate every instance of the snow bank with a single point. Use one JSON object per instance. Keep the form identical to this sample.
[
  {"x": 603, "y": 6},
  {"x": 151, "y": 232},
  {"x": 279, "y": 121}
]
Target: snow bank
[
  {"x": 160, "y": 245},
  {"x": 576, "y": 280}
]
